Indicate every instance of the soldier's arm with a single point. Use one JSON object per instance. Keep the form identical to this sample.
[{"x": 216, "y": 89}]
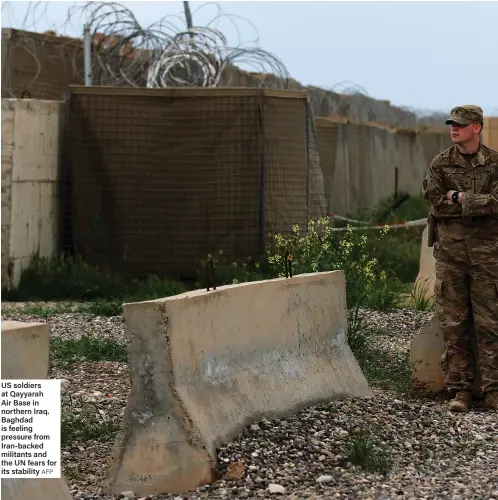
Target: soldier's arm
[
  {"x": 481, "y": 204},
  {"x": 435, "y": 190}
]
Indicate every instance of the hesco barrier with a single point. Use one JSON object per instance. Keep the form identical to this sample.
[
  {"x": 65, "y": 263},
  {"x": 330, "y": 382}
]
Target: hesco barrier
[
  {"x": 38, "y": 66},
  {"x": 434, "y": 142},
  {"x": 359, "y": 161},
  {"x": 162, "y": 177}
]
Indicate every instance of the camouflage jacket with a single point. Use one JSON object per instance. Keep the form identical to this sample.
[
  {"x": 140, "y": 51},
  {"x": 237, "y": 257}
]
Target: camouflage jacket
[{"x": 478, "y": 180}]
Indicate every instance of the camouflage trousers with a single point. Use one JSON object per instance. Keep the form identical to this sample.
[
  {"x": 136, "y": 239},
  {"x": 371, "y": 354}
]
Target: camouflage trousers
[{"x": 466, "y": 290}]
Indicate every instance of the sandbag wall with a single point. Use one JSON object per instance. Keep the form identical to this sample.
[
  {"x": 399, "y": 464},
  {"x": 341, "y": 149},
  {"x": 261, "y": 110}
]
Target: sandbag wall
[
  {"x": 359, "y": 162},
  {"x": 159, "y": 178}
]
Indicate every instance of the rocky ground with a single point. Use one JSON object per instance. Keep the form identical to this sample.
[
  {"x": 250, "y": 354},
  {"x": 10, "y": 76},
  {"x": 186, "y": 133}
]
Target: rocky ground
[{"x": 419, "y": 450}]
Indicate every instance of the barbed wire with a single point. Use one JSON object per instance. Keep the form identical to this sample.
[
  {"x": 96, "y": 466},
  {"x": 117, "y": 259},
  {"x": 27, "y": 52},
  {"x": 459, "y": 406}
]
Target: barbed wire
[
  {"x": 166, "y": 53},
  {"x": 349, "y": 88}
]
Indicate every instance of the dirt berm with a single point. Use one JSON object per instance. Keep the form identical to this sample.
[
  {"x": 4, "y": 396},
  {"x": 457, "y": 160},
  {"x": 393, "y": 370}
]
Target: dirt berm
[{"x": 206, "y": 364}]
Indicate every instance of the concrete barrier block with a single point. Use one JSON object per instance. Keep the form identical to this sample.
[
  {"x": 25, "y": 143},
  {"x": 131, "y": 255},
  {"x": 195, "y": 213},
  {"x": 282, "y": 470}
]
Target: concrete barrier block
[
  {"x": 425, "y": 356},
  {"x": 426, "y": 351},
  {"x": 427, "y": 270},
  {"x": 204, "y": 365},
  {"x": 35, "y": 489},
  {"x": 25, "y": 351}
]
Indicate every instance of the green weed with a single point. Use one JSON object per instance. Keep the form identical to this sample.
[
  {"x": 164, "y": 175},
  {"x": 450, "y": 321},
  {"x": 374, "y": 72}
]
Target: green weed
[
  {"x": 421, "y": 299},
  {"x": 64, "y": 353},
  {"x": 362, "y": 452},
  {"x": 81, "y": 422}
]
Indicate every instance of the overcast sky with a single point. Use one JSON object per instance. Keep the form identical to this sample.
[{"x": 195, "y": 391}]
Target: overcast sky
[{"x": 426, "y": 55}]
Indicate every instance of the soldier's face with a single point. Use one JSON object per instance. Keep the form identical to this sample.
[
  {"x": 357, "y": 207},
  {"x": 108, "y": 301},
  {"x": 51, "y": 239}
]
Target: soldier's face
[{"x": 460, "y": 134}]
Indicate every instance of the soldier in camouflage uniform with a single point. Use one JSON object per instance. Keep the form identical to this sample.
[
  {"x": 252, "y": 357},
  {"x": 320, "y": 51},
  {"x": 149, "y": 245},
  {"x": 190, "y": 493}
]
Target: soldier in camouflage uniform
[{"x": 461, "y": 187}]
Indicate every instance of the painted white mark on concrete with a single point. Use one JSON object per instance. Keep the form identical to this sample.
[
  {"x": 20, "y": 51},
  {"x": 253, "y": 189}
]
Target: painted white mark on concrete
[{"x": 142, "y": 417}]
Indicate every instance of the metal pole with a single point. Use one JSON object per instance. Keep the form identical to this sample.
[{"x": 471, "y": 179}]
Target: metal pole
[
  {"x": 396, "y": 184},
  {"x": 262, "y": 179},
  {"x": 188, "y": 14},
  {"x": 188, "y": 18},
  {"x": 87, "y": 53},
  {"x": 308, "y": 152}
]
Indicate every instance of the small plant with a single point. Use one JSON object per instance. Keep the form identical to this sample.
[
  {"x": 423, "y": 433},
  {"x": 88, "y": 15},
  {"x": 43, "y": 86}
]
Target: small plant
[
  {"x": 362, "y": 452},
  {"x": 103, "y": 307},
  {"x": 384, "y": 294},
  {"x": 358, "y": 331},
  {"x": 421, "y": 299},
  {"x": 82, "y": 422},
  {"x": 399, "y": 251},
  {"x": 64, "y": 353},
  {"x": 322, "y": 249}
]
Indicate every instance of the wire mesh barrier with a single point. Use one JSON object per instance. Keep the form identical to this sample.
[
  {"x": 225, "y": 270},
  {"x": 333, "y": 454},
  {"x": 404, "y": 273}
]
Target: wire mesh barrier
[
  {"x": 327, "y": 132},
  {"x": 162, "y": 177}
]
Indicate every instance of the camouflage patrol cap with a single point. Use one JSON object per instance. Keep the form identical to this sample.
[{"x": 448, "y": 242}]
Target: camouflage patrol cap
[{"x": 465, "y": 115}]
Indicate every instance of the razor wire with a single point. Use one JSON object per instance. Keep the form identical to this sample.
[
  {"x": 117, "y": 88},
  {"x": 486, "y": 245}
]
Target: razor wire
[
  {"x": 164, "y": 54},
  {"x": 352, "y": 101},
  {"x": 168, "y": 54}
]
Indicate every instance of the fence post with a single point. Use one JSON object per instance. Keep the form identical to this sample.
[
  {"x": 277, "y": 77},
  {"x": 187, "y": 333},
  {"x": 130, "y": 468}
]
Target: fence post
[
  {"x": 87, "y": 54},
  {"x": 262, "y": 170},
  {"x": 396, "y": 184},
  {"x": 308, "y": 124},
  {"x": 65, "y": 182}
]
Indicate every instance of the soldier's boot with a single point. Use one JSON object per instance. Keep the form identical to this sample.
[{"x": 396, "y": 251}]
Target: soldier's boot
[
  {"x": 491, "y": 401},
  {"x": 461, "y": 402}
]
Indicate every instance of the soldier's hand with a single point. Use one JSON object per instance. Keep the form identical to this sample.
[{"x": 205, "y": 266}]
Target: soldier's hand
[{"x": 449, "y": 194}]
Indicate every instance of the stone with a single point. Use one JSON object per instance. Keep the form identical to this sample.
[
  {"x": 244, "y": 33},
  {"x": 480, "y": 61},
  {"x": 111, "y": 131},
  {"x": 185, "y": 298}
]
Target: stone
[
  {"x": 276, "y": 489},
  {"x": 325, "y": 479}
]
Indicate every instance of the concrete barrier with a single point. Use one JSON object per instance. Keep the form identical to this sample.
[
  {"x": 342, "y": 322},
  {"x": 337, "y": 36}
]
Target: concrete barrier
[
  {"x": 204, "y": 365},
  {"x": 427, "y": 270},
  {"x": 30, "y": 184},
  {"x": 35, "y": 489},
  {"x": 425, "y": 356},
  {"x": 25, "y": 350}
]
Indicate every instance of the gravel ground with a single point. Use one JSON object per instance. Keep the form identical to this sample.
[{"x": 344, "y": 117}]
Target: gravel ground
[{"x": 433, "y": 454}]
